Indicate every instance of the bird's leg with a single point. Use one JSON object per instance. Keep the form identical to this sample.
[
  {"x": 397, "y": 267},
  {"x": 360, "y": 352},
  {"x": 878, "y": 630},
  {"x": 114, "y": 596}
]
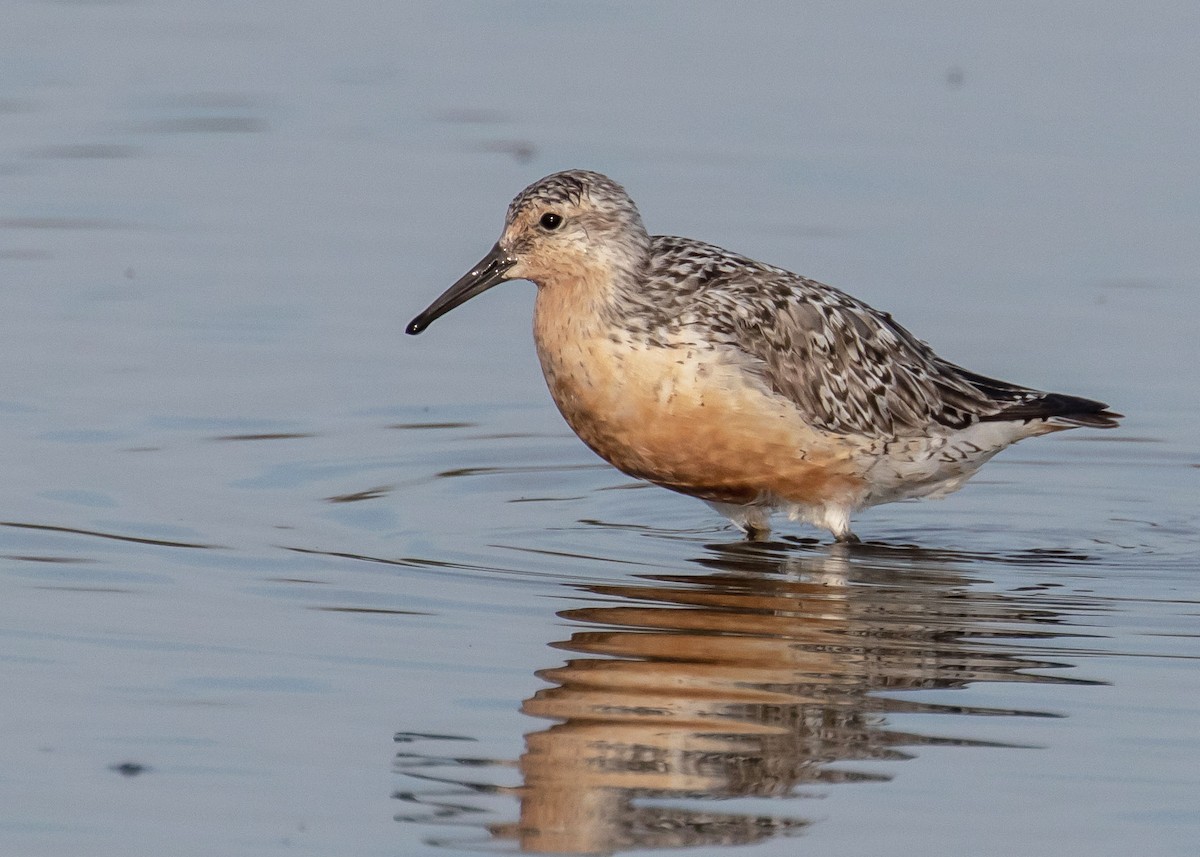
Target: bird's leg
[
  {"x": 836, "y": 519},
  {"x": 756, "y": 532}
]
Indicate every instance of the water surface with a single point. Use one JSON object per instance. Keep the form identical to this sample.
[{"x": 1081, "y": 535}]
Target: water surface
[{"x": 276, "y": 578}]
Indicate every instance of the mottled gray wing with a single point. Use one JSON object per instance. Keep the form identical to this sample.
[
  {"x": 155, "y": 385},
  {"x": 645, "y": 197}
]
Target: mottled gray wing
[
  {"x": 851, "y": 369},
  {"x": 847, "y": 367}
]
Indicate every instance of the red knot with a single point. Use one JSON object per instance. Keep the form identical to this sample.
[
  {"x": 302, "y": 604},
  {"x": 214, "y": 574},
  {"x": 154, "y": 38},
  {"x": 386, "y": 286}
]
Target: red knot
[{"x": 740, "y": 383}]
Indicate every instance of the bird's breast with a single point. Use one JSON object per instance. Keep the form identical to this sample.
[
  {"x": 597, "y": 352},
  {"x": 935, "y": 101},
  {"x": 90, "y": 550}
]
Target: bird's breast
[{"x": 682, "y": 414}]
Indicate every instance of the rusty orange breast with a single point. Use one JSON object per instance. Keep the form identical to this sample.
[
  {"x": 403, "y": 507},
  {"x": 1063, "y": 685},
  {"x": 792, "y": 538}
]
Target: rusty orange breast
[{"x": 684, "y": 417}]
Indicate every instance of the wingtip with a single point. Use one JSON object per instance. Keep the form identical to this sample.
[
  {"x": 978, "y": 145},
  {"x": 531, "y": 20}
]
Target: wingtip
[
  {"x": 1061, "y": 410},
  {"x": 1095, "y": 415},
  {"x": 1103, "y": 418}
]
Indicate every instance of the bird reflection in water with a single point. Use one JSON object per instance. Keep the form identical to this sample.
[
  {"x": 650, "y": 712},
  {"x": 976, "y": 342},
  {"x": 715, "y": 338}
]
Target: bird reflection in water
[{"x": 750, "y": 680}]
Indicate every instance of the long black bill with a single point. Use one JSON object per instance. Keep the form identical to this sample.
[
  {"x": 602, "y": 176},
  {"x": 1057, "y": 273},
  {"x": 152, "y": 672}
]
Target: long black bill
[{"x": 489, "y": 272}]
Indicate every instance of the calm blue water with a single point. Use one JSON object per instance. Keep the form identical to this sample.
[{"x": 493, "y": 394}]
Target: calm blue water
[{"x": 275, "y": 578}]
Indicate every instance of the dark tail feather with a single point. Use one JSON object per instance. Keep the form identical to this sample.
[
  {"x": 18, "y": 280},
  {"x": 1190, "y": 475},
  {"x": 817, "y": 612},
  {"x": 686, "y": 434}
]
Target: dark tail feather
[{"x": 1063, "y": 409}]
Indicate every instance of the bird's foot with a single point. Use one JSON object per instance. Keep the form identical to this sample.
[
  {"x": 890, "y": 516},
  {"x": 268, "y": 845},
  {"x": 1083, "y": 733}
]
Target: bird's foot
[{"x": 757, "y": 532}]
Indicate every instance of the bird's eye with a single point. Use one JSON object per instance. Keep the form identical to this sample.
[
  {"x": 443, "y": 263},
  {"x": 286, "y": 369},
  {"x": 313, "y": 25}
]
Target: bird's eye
[{"x": 551, "y": 221}]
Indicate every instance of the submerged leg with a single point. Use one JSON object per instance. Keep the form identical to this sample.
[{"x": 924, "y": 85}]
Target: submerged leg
[
  {"x": 754, "y": 521},
  {"x": 836, "y": 519},
  {"x": 757, "y": 533}
]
